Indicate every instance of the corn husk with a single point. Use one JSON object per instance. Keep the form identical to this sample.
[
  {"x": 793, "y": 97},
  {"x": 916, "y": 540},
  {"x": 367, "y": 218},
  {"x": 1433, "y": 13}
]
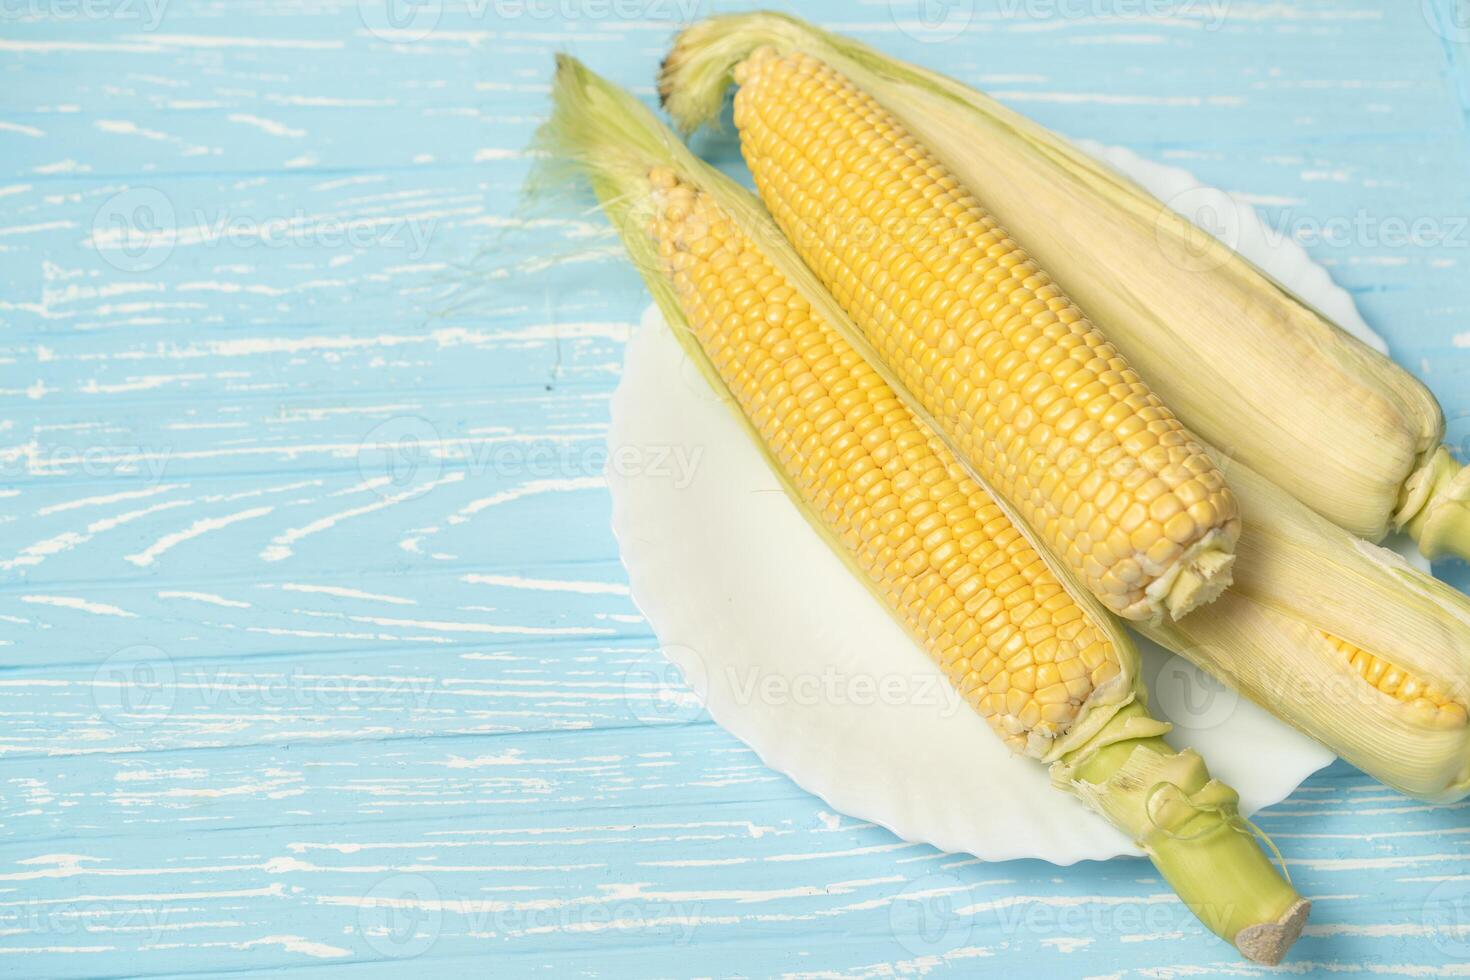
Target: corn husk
[
  {"x": 1245, "y": 363},
  {"x": 1298, "y": 577}
]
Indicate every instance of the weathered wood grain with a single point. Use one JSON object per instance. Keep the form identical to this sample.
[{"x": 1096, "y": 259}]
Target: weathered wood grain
[{"x": 314, "y": 649}]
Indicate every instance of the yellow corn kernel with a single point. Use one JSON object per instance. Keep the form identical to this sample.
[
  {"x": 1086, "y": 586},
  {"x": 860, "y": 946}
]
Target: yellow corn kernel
[{"x": 1437, "y": 706}]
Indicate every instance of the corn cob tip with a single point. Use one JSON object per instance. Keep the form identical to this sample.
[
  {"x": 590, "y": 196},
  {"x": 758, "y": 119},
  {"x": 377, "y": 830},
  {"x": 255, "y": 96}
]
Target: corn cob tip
[
  {"x": 1268, "y": 942},
  {"x": 753, "y": 62},
  {"x": 1202, "y": 576}
]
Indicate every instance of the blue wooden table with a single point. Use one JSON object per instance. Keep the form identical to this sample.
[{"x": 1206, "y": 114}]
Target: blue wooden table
[{"x": 316, "y": 650}]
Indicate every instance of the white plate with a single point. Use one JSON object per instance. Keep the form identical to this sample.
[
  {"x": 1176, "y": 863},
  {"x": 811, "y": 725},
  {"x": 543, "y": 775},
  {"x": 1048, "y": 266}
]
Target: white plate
[{"x": 783, "y": 647}]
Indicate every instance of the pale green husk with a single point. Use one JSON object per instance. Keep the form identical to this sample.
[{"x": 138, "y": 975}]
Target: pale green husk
[
  {"x": 1114, "y": 756},
  {"x": 1296, "y": 574},
  {"x": 1248, "y": 365}
]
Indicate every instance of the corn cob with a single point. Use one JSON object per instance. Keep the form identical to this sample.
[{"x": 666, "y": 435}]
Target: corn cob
[
  {"x": 1298, "y": 579},
  {"x": 946, "y": 559},
  {"x": 1055, "y": 676},
  {"x": 1246, "y": 364},
  {"x": 1029, "y": 390}
]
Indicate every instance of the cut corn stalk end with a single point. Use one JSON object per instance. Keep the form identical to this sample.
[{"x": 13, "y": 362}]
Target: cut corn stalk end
[
  {"x": 1191, "y": 828},
  {"x": 1268, "y": 942},
  {"x": 1435, "y": 509}
]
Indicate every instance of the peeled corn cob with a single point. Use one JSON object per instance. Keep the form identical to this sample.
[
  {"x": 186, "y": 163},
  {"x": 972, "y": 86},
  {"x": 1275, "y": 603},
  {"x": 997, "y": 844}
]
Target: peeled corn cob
[
  {"x": 1246, "y": 364},
  {"x": 1303, "y": 588},
  {"x": 948, "y": 562},
  {"x": 1032, "y": 651},
  {"x": 1030, "y": 391}
]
